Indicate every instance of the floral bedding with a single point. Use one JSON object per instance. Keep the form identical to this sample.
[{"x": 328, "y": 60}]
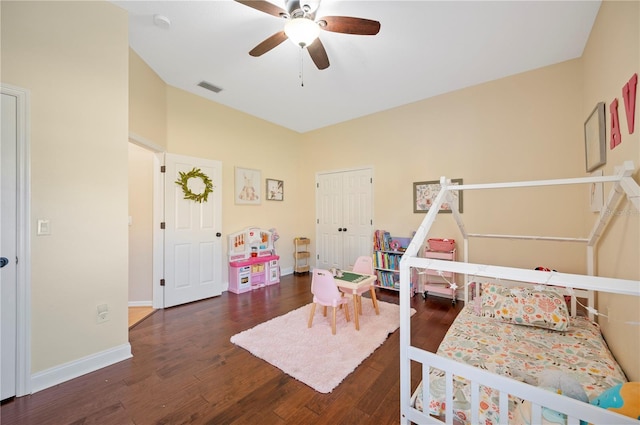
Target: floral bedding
[{"x": 522, "y": 353}]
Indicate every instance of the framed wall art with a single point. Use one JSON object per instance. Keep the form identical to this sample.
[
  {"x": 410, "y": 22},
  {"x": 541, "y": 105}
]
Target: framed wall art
[
  {"x": 247, "y": 186},
  {"x": 594, "y": 138},
  {"x": 275, "y": 190},
  {"x": 424, "y": 193}
]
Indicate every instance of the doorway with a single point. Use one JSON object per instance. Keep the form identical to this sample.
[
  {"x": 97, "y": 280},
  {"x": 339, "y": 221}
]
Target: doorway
[
  {"x": 175, "y": 244},
  {"x": 141, "y": 180}
]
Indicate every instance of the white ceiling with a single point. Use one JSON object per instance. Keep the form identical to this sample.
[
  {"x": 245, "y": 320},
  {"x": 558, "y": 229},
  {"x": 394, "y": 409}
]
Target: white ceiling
[{"x": 423, "y": 49}]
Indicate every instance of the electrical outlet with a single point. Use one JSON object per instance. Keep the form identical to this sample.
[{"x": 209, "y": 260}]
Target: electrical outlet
[{"x": 102, "y": 313}]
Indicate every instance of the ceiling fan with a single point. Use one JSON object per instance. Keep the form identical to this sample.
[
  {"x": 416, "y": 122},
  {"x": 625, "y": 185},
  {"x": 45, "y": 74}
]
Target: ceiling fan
[{"x": 303, "y": 28}]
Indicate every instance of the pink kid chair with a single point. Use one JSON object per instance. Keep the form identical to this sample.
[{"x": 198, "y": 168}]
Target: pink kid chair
[
  {"x": 326, "y": 293},
  {"x": 364, "y": 264}
]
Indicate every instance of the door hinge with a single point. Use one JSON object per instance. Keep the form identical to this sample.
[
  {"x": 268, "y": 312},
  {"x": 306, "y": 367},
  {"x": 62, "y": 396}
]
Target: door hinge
[
  {"x": 162, "y": 225},
  {"x": 318, "y": 185},
  {"x": 161, "y": 282},
  {"x": 371, "y": 180},
  {"x": 317, "y": 221},
  {"x": 163, "y": 168}
]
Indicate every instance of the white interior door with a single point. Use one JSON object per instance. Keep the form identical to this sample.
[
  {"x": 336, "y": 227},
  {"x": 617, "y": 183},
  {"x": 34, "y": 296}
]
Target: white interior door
[
  {"x": 357, "y": 222},
  {"x": 344, "y": 225},
  {"x": 8, "y": 246},
  {"x": 329, "y": 221},
  {"x": 193, "y": 230}
]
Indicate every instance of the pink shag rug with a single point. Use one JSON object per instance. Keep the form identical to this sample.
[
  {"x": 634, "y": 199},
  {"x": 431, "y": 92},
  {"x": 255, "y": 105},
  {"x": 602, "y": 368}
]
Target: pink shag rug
[{"x": 288, "y": 344}]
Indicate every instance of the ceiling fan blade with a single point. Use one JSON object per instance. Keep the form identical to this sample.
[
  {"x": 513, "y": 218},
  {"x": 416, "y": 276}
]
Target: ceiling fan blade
[
  {"x": 349, "y": 25},
  {"x": 268, "y": 44},
  {"x": 318, "y": 54},
  {"x": 264, "y": 6}
]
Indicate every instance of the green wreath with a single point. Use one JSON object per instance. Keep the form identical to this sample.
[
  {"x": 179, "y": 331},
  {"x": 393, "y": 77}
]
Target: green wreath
[{"x": 188, "y": 194}]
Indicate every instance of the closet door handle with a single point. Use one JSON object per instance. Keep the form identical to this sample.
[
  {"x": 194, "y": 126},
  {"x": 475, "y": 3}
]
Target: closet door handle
[
  {"x": 339, "y": 229},
  {"x": 218, "y": 234},
  {"x": 344, "y": 230},
  {"x": 3, "y": 262}
]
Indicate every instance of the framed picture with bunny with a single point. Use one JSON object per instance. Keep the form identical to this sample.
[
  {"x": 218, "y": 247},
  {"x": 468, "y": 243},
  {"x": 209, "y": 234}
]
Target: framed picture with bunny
[{"x": 247, "y": 186}]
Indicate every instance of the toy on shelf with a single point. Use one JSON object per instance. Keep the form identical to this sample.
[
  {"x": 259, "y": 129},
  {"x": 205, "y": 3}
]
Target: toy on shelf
[{"x": 253, "y": 262}]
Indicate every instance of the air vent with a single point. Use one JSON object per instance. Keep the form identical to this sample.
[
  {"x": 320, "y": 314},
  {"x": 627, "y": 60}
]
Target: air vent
[{"x": 209, "y": 86}]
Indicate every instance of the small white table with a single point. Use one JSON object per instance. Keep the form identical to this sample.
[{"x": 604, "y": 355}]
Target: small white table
[{"x": 354, "y": 284}]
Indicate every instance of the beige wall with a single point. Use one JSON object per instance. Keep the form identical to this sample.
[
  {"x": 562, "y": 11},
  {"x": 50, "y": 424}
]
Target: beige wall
[
  {"x": 73, "y": 58},
  {"x": 198, "y": 127},
  {"x": 525, "y": 127},
  {"x": 147, "y": 102},
  {"x": 612, "y": 56},
  {"x": 141, "y": 163}
]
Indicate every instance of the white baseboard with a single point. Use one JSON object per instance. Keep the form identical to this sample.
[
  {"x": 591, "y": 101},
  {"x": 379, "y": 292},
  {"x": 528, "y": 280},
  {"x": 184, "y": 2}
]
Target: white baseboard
[
  {"x": 284, "y": 272},
  {"x": 140, "y": 304},
  {"x": 65, "y": 372}
]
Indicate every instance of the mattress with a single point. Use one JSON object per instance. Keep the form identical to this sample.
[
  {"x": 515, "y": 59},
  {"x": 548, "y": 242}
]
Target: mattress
[{"x": 522, "y": 353}]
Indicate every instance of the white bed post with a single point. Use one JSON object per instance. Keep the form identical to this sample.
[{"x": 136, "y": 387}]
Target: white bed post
[
  {"x": 463, "y": 231},
  {"x": 625, "y": 184},
  {"x": 405, "y": 298},
  {"x": 629, "y": 185}
]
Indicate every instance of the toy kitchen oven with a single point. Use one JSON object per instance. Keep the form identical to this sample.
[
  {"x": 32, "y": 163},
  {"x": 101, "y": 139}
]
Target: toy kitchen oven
[{"x": 253, "y": 262}]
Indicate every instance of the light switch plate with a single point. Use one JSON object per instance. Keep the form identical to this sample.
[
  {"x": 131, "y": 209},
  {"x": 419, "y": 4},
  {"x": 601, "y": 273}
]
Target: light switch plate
[{"x": 44, "y": 227}]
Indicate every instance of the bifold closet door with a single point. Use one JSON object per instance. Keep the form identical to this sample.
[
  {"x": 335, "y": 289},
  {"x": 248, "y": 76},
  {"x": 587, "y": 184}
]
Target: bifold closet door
[{"x": 344, "y": 223}]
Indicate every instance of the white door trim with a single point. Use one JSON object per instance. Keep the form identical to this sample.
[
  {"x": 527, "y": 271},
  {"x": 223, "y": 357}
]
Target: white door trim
[
  {"x": 158, "y": 216},
  {"x": 23, "y": 320},
  {"x": 158, "y": 233}
]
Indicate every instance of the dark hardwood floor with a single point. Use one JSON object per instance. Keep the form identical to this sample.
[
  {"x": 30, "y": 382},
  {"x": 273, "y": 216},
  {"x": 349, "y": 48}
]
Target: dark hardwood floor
[{"x": 185, "y": 370}]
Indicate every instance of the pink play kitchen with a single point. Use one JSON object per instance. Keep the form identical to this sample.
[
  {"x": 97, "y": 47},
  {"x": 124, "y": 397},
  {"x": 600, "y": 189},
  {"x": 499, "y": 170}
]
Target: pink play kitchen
[{"x": 253, "y": 262}]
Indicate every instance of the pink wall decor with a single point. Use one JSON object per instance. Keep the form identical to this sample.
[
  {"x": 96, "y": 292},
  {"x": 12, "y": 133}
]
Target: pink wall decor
[
  {"x": 616, "y": 137},
  {"x": 629, "y": 96}
]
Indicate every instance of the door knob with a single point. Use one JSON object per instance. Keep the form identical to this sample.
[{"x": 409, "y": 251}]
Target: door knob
[
  {"x": 218, "y": 234},
  {"x": 344, "y": 230},
  {"x": 3, "y": 262},
  {"x": 339, "y": 229}
]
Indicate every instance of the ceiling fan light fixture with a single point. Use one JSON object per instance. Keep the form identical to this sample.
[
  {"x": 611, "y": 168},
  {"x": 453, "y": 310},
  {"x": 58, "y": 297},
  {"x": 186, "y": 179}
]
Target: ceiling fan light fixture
[{"x": 301, "y": 31}]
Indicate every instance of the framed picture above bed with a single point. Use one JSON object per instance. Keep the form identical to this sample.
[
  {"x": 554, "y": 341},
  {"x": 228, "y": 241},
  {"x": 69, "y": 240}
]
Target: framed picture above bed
[
  {"x": 594, "y": 138},
  {"x": 424, "y": 193}
]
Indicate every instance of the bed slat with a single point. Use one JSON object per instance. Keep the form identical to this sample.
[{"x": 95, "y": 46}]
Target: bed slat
[
  {"x": 448, "y": 397},
  {"x": 475, "y": 402}
]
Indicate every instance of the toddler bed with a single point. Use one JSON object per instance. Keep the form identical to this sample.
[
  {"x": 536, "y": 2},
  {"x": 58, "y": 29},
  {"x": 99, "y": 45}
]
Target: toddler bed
[
  {"x": 532, "y": 353},
  {"x": 497, "y": 361}
]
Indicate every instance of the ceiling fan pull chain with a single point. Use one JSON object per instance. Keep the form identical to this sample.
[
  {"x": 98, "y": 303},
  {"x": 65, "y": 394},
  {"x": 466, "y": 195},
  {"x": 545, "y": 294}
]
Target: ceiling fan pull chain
[{"x": 301, "y": 68}]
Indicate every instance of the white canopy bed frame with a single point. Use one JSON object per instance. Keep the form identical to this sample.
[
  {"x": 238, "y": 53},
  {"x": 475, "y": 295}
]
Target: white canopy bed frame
[{"x": 584, "y": 286}]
